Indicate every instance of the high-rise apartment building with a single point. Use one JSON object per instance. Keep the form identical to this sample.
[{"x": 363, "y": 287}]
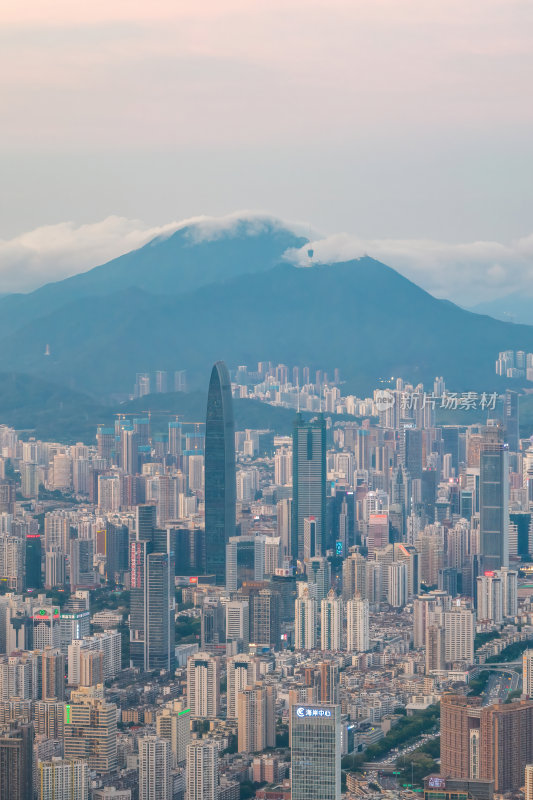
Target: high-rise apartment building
[
  {"x": 108, "y": 643},
  {"x": 490, "y": 597},
  {"x": 460, "y": 626},
  {"x": 13, "y": 562},
  {"x": 315, "y": 736},
  {"x": 528, "y": 788},
  {"x": 173, "y": 723},
  {"x": 354, "y": 576},
  {"x": 61, "y": 779},
  {"x": 318, "y": 572},
  {"x": 305, "y": 621},
  {"x": 527, "y": 673},
  {"x": 90, "y": 730},
  {"x": 329, "y": 682},
  {"x": 256, "y": 718},
  {"x": 49, "y": 718},
  {"x": 220, "y": 485},
  {"x": 203, "y": 685},
  {"x": 398, "y": 584},
  {"x": 16, "y": 761},
  {"x": 238, "y": 622},
  {"x": 423, "y": 607},
  {"x": 242, "y": 671},
  {"x": 357, "y": 626},
  {"x": 155, "y": 780},
  {"x": 491, "y": 743},
  {"x": 52, "y": 674},
  {"x": 331, "y": 610},
  {"x": 308, "y": 483},
  {"x": 202, "y": 770}
]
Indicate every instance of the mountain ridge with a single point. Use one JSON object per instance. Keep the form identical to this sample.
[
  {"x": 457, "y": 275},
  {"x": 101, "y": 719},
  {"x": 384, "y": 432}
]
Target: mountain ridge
[{"x": 190, "y": 298}]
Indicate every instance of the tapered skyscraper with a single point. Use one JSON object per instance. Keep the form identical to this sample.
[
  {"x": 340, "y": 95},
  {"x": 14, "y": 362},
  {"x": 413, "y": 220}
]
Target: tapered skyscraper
[{"x": 219, "y": 472}]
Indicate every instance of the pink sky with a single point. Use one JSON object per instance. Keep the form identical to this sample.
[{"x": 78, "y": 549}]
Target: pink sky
[{"x": 382, "y": 91}]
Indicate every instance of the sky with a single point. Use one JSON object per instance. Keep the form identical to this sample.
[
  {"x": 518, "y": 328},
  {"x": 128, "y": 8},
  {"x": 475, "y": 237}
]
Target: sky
[{"x": 400, "y": 126}]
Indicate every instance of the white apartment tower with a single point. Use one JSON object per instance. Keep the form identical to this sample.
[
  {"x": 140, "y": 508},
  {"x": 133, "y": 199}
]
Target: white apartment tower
[
  {"x": 331, "y": 622},
  {"x": 305, "y": 622},
  {"x": 357, "y": 626},
  {"x": 203, "y": 685}
]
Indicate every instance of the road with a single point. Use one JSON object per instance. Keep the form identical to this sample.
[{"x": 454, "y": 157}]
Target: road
[
  {"x": 500, "y": 684},
  {"x": 394, "y": 755}
]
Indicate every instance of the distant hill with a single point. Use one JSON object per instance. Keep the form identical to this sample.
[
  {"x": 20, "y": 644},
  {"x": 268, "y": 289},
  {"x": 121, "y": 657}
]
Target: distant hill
[
  {"x": 185, "y": 301},
  {"x": 54, "y": 413},
  {"x": 515, "y": 307}
]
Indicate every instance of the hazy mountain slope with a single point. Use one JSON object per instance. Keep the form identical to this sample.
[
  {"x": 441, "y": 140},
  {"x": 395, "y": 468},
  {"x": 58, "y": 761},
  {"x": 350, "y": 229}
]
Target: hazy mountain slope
[
  {"x": 360, "y": 316},
  {"x": 515, "y": 307}
]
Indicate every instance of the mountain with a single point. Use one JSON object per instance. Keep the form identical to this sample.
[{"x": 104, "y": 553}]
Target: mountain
[
  {"x": 515, "y": 307},
  {"x": 185, "y": 301},
  {"x": 175, "y": 264}
]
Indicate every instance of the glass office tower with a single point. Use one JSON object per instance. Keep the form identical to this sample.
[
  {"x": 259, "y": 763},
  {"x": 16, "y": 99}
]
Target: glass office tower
[
  {"x": 315, "y": 752},
  {"x": 308, "y": 483}
]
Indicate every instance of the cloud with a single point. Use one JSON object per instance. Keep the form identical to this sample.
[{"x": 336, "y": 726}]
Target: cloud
[
  {"x": 53, "y": 252},
  {"x": 467, "y": 273}
]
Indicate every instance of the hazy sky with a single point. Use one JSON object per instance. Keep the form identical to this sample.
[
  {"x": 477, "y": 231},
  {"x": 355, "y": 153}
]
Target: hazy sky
[{"x": 384, "y": 119}]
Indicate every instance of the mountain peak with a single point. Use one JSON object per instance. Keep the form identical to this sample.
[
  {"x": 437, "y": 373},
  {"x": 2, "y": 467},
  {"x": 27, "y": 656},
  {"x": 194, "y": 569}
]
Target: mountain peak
[{"x": 240, "y": 224}]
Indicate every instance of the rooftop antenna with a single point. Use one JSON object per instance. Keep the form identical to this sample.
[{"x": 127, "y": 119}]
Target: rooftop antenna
[{"x": 298, "y": 390}]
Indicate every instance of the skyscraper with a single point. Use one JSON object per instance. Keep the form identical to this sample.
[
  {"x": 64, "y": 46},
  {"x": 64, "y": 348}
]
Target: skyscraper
[
  {"x": 308, "y": 483},
  {"x": 34, "y": 578},
  {"x": 315, "y": 752},
  {"x": 155, "y": 781},
  {"x": 411, "y": 451},
  {"x": 265, "y": 617},
  {"x": 493, "y": 502},
  {"x": 152, "y": 593},
  {"x": 220, "y": 488},
  {"x": 159, "y": 649}
]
